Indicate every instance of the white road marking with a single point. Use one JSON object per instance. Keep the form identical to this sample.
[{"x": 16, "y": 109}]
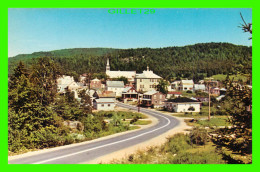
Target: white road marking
[{"x": 64, "y": 156}]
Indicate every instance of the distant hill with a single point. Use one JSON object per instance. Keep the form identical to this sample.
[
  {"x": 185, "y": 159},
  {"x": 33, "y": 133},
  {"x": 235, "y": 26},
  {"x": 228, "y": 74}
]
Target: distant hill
[
  {"x": 66, "y": 53},
  {"x": 63, "y": 53},
  {"x": 187, "y": 61}
]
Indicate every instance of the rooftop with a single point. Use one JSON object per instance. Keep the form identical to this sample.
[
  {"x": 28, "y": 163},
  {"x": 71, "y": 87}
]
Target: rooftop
[
  {"x": 147, "y": 74},
  {"x": 115, "y": 84},
  {"x": 182, "y": 100},
  {"x": 150, "y": 92},
  {"x": 105, "y": 100}
]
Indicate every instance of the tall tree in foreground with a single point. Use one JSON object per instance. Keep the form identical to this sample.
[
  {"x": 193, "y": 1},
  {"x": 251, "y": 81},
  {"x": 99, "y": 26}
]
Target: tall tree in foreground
[
  {"x": 44, "y": 75},
  {"x": 238, "y": 106}
]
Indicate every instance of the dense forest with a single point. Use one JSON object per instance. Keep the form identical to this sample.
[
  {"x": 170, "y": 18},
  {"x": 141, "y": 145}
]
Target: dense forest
[{"x": 169, "y": 62}]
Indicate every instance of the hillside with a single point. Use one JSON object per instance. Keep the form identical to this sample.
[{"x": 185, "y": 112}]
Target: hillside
[{"x": 187, "y": 61}]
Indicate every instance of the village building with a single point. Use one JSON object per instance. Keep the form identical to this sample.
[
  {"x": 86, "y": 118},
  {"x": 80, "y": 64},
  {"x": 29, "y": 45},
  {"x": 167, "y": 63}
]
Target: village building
[
  {"x": 182, "y": 104},
  {"x": 153, "y": 98},
  {"x": 186, "y": 85},
  {"x": 105, "y": 100},
  {"x": 65, "y": 83},
  {"x": 222, "y": 91},
  {"x": 174, "y": 94},
  {"x": 202, "y": 98},
  {"x": 105, "y": 104},
  {"x": 115, "y": 86},
  {"x": 174, "y": 86},
  {"x": 199, "y": 87},
  {"x": 129, "y": 94},
  {"x": 130, "y": 75},
  {"x": 95, "y": 84},
  {"x": 146, "y": 81},
  {"x": 214, "y": 91}
]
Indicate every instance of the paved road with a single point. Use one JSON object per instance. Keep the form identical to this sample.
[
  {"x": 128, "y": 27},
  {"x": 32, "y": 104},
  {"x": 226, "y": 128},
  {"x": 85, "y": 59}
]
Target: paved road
[{"x": 89, "y": 151}]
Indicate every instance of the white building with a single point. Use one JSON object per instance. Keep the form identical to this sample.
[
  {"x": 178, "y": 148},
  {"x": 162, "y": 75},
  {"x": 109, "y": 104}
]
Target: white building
[
  {"x": 63, "y": 82},
  {"x": 186, "y": 85},
  {"x": 146, "y": 81},
  {"x": 130, "y": 75},
  {"x": 105, "y": 104},
  {"x": 174, "y": 86},
  {"x": 182, "y": 104},
  {"x": 199, "y": 87},
  {"x": 115, "y": 86}
]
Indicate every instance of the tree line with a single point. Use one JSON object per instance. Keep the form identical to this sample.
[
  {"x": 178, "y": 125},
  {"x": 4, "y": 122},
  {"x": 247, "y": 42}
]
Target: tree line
[{"x": 193, "y": 61}]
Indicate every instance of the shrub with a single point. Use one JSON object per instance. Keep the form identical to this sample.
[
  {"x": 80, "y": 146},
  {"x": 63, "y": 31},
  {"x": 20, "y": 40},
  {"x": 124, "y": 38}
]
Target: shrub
[
  {"x": 177, "y": 143},
  {"x": 199, "y": 136}
]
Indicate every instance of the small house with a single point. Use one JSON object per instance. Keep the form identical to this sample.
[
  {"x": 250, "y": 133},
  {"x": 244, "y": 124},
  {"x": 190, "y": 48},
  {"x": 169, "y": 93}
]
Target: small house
[
  {"x": 130, "y": 94},
  {"x": 153, "y": 98},
  {"x": 182, "y": 104},
  {"x": 105, "y": 104}
]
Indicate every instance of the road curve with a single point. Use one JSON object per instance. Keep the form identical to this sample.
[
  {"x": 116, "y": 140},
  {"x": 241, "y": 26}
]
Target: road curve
[{"x": 89, "y": 151}]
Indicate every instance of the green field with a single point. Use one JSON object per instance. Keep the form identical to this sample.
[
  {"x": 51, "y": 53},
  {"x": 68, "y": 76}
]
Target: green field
[{"x": 221, "y": 77}]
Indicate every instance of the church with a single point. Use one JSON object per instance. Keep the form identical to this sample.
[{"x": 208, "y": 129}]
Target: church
[{"x": 130, "y": 75}]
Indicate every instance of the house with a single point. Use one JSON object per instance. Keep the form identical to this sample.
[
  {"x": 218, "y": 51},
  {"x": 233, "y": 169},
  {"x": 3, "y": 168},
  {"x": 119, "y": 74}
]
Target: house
[
  {"x": 105, "y": 104},
  {"x": 175, "y": 94},
  {"x": 199, "y": 87},
  {"x": 67, "y": 83},
  {"x": 153, "y": 98},
  {"x": 186, "y": 85},
  {"x": 105, "y": 94},
  {"x": 115, "y": 86},
  {"x": 222, "y": 91},
  {"x": 130, "y": 75},
  {"x": 63, "y": 82},
  {"x": 130, "y": 94},
  {"x": 182, "y": 104},
  {"x": 95, "y": 84},
  {"x": 215, "y": 91},
  {"x": 174, "y": 86},
  {"x": 146, "y": 81}
]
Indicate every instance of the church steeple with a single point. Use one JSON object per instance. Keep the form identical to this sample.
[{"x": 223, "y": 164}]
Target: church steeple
[{"x": 108, "y": 66}]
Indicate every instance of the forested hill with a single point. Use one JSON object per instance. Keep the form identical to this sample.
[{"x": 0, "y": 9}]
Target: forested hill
[{"x": 168, "y": 62}]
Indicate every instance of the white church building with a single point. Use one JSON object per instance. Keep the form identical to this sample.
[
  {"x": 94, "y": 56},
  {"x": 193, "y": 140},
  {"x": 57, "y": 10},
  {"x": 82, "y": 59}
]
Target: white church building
[{"x": 130, "y": 75}]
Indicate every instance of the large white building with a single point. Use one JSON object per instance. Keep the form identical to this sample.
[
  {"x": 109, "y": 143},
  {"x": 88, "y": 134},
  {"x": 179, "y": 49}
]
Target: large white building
[
  {"x": 130, "y": 75},
  {"x": 146, "y": 81},
  {"x": 115, "y": 86}
]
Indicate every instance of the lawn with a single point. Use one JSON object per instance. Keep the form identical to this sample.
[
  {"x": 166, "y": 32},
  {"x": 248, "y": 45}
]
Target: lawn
[
  {"x": 214, "y": 121},
  {"x": 142, "y": 122},
  {"x": 222, "y": 77}
]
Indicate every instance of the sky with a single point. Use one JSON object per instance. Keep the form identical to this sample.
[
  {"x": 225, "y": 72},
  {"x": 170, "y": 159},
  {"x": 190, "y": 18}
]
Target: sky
[{"x": 33, "y": 30}]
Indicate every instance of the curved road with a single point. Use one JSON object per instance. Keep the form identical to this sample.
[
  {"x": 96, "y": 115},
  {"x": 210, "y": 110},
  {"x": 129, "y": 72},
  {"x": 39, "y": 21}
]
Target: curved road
[{"x": 89, "y": 151}]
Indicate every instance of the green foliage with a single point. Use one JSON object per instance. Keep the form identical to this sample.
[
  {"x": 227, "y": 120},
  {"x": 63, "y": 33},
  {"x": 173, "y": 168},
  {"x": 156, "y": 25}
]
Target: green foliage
[
  {"x": 177, "y": 150},
  {"x": 177, "y": 144},
  {"x": 238, "y": 105},
  {"x": 162, "y": 86},
  {"x": 121, "y": 78},
  {"x": 199, "y": 136},
  {"x": 188, "y": 61},
  {"x": 209, "y": 157}
]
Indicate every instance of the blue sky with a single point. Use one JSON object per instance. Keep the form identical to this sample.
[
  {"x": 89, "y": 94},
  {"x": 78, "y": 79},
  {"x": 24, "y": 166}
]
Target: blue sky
[{"x": 32, "y": 30}]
